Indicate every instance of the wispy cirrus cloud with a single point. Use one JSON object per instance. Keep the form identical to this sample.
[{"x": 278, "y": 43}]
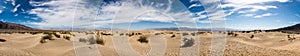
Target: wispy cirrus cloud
[
  {"x": 263, "y": 15},
  {"x": 75, "y": 13},
  {"x": 249, "y": 7}
]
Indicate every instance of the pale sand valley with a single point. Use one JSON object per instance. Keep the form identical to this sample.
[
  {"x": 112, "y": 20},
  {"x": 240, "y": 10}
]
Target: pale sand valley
[{"x": 168, "y": 43}]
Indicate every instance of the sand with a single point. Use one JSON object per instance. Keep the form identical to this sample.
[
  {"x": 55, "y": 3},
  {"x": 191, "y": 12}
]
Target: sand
[{"x": 263, "y": 44}]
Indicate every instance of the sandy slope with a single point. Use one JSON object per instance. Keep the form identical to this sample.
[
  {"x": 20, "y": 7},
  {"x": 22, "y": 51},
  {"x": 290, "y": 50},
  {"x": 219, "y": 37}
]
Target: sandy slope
[{"x": 263, "y": 44}]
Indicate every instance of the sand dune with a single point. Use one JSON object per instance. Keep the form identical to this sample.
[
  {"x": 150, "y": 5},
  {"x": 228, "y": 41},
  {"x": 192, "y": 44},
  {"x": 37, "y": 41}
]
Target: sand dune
[{"x": 262, "y": 44}]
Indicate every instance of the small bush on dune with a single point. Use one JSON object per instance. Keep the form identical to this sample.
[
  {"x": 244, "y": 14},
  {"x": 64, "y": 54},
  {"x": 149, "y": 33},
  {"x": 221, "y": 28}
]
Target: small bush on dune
[
  {"x": 100, "y": 41},
  {"x": 200, "y": 32},
  {"x": 42, "y": 41},
  {"x": 82, "y": 40},
  {"x": 33, "y": 33},
  {"x": 173, "y": 36},
  {"x": 184, "y": 34},
  {"x": 291, "y": 38},
  {"x": 235, "y": 35},
  {"x": 44, "y": 38},
  {"x": 47, "y": 37},
  {"x": 2, "y": 40},
  {"x": 56, "y": 35},
  {"x": 67, "y": 37},
  {"x": 121, "y": 34},
  {"x": 193, "y": 34},
  {"x": 252, "y": 36},
  {"x": 65, "y": 32},
  {"x": 92, "y": 40},
  {"x": 143, "y": 39}
]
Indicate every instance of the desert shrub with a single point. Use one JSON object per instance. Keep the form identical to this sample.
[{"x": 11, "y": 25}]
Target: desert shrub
[
  {"x": 22, "y": 32},
  {"x": 121, "y": 34},
  {"x": 48, "y": 37},
  {"x": 139, "y": 33},
  {"x": 290, "y": 38},
  {"x": 100, "y": 41},
  {"x": 49, "y": 33},
  {"x": 65, "y": 32},
  {"x": 82, "y": 40},
  {"x": 44, "y": 38},
  {"x": 248, "y": 31},
  {"x": 2, "y": 40},
  {"x": 252, "y": 36},
  {"x": 42, "y": 41},
  {"x": 157, "y": 33},
  {"x": 92, "y": 40},
  {"x": 184, "y": 34},
  {"x": 230, "y": 33},
  {"x": 193, "y": 34},
  {"x": 67, "y": 37},
  {"x": 236, "y": 35},
  {"x": 187, "y": 42},
  {"x": 33, "y": 33},
  {"x": 173, "y": 36},
  {"x": 56, "y": 35},
  {"x": 130, "y": 35},
  {"x": 143, "y": 39},
  {"x": 200, "y": 32}
]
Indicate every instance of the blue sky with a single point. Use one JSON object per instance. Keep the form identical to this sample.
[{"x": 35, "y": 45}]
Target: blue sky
[{"x": 144, "y": 14}]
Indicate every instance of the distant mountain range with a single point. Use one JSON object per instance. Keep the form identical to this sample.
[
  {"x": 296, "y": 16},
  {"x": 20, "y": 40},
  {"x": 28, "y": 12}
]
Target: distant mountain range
[
  {"x": 192, "y": 29},
  {"x": 6, "y": 25},
  {"x": 289, "y": 28}
]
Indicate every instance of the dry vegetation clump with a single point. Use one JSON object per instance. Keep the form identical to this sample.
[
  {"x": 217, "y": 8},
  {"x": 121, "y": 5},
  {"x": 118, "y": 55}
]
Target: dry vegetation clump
[
  {"x": 92, "y": 40},
  {"x": 52, "y": 33},
  {"x": 7, "y": 32},
  {"x": 252, "y": 36},
  {"x": 82, "y": 40},
  {"x": 173, "y": 36},
  {"x": 100, "y": 41},
  {"x": 184, "y": 34},
  {"x": 56, "y": 35},
  {"x": 193, "y": 34},
  {"x": 230, "y": 33},
  {"x": 187, "y": 42},
  {"x": 67, "y": 37},
  {"x": 143, "y": 39},
  {"x": 33, "y": 33},
  {"x": 200, "y": 32},
  {"x": 2, "y": 40},
  {"x": 46, "y": 37},
  {"x": 235, "y": 35},
  {"x": 170, "y": 32},
  {"x": 291, "y": 38},
  {"x": 157, "y": 34},
  {"x": 106, "y": 34},
  {"x": 21, "y": 32},
  {"x": 66, "y": 32},
  {"x": 121, "y": 34}
]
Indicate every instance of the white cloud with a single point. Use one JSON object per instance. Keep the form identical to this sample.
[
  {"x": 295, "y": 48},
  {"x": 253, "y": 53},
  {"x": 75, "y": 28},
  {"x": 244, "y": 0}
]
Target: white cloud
[
  {"x": 249, "y": 15},
  {"x": 213, "y": 9},
  {"x": 263, "y": 15},
  {"x": 61, "y": 13},
  {"x": 195, "y": 5},
  {"x": 16, "y": 8},
  {"x": 249, "y": 6},
  {"x": 253, "y": 1}
]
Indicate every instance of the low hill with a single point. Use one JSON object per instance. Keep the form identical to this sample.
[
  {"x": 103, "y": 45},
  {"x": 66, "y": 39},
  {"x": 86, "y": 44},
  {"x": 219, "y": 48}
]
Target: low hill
[{"x": 7, "y": 25}]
